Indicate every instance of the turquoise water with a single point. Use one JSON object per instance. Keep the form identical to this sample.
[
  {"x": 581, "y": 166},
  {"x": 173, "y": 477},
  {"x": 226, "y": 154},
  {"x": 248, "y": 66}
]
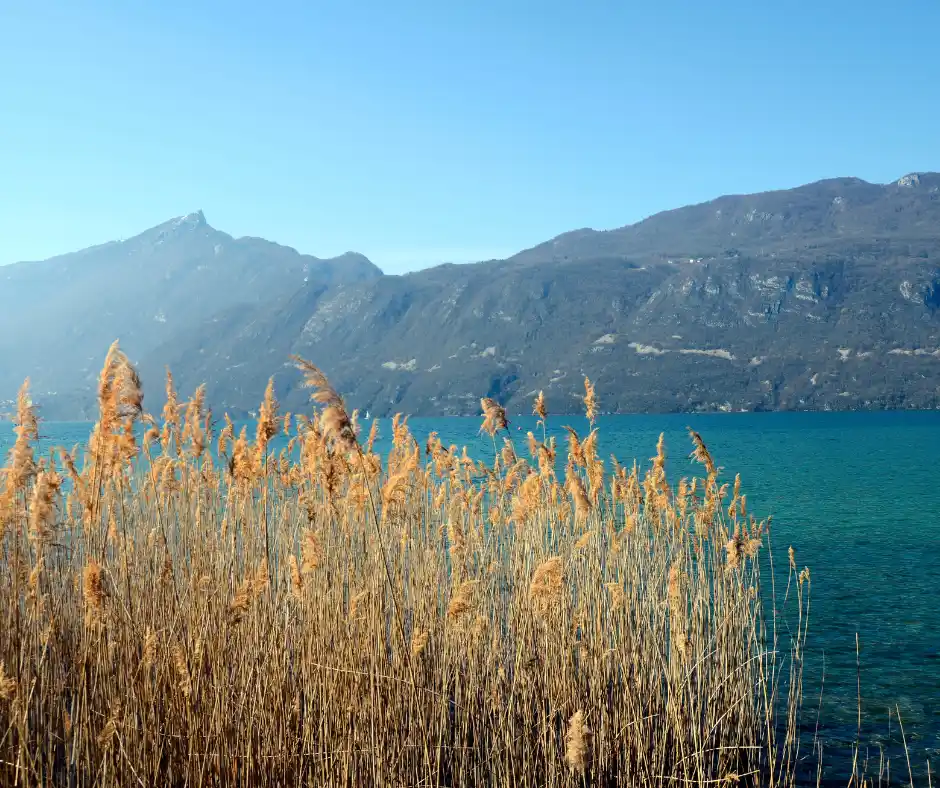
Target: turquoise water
[{"x": 856, "y": 494}]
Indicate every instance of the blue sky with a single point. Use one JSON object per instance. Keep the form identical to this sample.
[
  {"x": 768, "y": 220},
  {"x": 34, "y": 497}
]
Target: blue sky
[{"x": 426, "y": 132}]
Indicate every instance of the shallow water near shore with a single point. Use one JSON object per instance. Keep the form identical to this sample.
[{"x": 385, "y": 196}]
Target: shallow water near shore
[{"x": 856, "y": 495}]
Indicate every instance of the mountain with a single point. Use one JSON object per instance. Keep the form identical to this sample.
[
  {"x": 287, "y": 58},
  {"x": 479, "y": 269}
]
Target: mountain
[
  {"x": 825, "y": 296},
  {"x": 58, "y": 314}
]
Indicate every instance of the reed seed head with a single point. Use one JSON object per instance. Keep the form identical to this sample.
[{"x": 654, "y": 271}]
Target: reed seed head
[
  {"x": 494, "y": 416},
  {"x": 701, "y": 454},
  {"x": 419, "y": 642},
  {"x": 538, "y": 408},
  {"x": 590, "y": 401},
  {"x": 547, "y": 582},
  {"x": 461, "y": 602},
  {"x": 577, "y": 743},
  {"x": 7, "y": 684}
]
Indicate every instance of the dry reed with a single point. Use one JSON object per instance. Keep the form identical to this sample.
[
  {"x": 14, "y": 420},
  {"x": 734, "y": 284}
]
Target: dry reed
[{"x": 326, "y": 616}]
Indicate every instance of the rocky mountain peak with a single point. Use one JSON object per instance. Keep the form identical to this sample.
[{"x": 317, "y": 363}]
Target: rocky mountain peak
[
  {"x": 175, "y": 228},
  {"x": 195, "y": 220}
]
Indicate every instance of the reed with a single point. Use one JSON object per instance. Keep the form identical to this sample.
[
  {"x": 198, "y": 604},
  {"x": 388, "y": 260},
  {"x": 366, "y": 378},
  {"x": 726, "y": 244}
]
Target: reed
[{"x": 321, "y": 615}]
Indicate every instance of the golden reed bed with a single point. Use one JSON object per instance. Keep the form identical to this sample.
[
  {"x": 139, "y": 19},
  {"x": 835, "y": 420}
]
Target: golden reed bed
[{"x": 193, "y": 609}]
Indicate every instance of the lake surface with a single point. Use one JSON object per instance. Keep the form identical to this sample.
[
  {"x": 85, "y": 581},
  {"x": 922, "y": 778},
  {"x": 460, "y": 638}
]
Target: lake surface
[{"x": 857, "y": 495}]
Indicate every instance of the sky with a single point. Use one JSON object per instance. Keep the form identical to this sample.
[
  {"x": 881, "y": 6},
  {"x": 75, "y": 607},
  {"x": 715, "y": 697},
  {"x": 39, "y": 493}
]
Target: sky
[{"x": 427, "y": 132}]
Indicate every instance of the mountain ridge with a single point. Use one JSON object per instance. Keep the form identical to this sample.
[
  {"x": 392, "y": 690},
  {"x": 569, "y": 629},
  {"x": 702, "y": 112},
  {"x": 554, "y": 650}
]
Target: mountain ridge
[
  {"x": 834, "y": 187},
  {"x": 825, "y": 296}
]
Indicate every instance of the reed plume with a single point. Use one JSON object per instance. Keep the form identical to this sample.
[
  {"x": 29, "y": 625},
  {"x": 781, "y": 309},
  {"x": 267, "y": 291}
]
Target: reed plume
[
  {"x": 334, "y": 419},
  {"x": 419, "y": 643},
  {"x": 539, "y": 409},
  {"x": 94, "y": 594},
  {"x": 149, "y": 649},
  {"x": 494, "y": 417},
  {"x": 701, "y": 453},
  {"x": 21, "y": 467},
  {"x": 184, "y": 678},
  {"x": 461, "y": 602},
  {"x": 575, "y": 487},
  {"x": 577, "y": 743},
  {"x": 590, "y": 402},
  {"x": 547, "y": 582},
  {"x": 42, "y": 509},
  {"x": 7, "y": 684}
]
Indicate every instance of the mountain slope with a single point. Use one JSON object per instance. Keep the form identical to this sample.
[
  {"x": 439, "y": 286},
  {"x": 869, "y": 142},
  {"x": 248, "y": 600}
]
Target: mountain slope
[
  {"x": 827, "y": 211},
  {"x": 825, "y": 296},
  {"x": 58, "y": 314}
]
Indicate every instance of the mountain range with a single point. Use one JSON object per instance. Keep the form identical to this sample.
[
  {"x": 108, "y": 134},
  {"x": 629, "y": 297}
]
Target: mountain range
[{"x": 826, "y": 297}]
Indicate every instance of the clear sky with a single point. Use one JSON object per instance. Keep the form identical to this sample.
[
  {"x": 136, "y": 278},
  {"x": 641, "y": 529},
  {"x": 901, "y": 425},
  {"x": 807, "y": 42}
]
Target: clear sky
[{"x": 423, "y": 132}]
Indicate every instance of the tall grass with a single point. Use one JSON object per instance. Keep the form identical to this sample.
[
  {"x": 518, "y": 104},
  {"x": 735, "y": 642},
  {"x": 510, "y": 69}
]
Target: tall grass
[{"x": 196, "y": 609}]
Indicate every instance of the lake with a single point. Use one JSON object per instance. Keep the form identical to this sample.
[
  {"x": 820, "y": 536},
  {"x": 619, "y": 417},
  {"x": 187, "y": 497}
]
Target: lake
[{"x": 856, "y": 494}]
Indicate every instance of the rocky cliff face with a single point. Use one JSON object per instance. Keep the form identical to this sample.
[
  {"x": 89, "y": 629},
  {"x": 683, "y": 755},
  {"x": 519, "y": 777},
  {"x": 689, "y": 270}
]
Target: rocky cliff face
[{"x": 822, "y": 297}]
